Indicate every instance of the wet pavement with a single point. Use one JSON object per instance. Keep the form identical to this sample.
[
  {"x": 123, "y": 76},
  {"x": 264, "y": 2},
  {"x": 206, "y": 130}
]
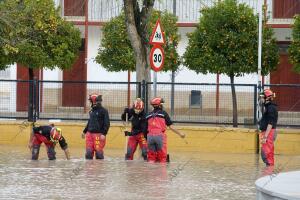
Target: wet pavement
[{"x": 190, "y": 175}]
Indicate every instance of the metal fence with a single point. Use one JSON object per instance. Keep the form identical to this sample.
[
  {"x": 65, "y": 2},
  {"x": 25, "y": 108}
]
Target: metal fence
[
  {"x": 288, "y": 101},
  {"x": 190, "y": 103},
  {"x": 187, "y": 11},
  {"x": 68, "y": 100},
  {"x": 208, "y": 103}
]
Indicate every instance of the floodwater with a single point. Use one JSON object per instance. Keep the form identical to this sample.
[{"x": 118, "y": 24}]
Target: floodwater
[{"x": 190, "y": 175}]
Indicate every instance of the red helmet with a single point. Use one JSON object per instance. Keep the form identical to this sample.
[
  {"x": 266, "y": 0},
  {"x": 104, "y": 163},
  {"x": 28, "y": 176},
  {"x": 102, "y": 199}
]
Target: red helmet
[
  {"x": 268, "y": 93},
  {"x": 138, "y": 105},
  {"x": 95, "y": 98},
  {"x": 55, "y": 134},
  {"x": 157, "y": 101}
]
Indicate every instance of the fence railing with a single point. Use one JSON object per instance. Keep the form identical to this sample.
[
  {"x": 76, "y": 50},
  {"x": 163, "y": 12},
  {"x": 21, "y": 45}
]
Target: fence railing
[
  {"x": 288, "y": 101},
  {"x": 187, "y": 11},
  {"x": 199, "y": 103}
]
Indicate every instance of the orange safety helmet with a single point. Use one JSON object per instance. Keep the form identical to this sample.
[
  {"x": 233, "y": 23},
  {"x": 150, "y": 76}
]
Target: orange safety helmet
[
  {"x": 138, "y": 105},
  {"x": 268, "y": 93},
  {"x": 95, "y": 98},
  {"x": 157, "y": 101},
  {"x": 55, "y": 134}
]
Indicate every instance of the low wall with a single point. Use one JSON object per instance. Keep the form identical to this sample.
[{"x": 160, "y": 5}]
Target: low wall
[
  {"x": 198, "y": 139},
  {"x": 288, "y": 141}
]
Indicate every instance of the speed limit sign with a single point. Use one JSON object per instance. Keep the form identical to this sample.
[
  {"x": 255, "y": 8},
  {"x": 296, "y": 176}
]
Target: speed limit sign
[{"x": 157, "y": 58}]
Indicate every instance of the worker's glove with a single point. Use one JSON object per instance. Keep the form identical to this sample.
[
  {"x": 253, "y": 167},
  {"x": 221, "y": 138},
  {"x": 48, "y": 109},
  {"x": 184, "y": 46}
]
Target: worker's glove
[{"x": 127, "y": 133}]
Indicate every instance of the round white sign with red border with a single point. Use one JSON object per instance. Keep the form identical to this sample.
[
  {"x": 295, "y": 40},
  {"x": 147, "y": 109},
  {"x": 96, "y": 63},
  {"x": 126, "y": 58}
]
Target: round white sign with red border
[{"x": 157, "y": 58}]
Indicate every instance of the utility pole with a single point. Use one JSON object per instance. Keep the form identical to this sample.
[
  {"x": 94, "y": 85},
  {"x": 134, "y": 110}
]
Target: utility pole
[
  {"x": 173, "y": 75},
  {"x": 260, "y": 10},
  {"x": 86, "y": 47},
  {"x": 259, "y": 86}
]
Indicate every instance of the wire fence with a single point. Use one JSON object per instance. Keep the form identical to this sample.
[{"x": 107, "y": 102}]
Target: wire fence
[
  {"x": 208, "y": 103},
  {"x": 68, "y": 100},
  {"x": 201, "y": 103},
  {"x": 288, "y": 101}
]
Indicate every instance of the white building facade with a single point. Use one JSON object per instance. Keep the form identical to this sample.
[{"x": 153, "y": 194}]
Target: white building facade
[
  {"x": 90, "y": 16},
  {"x": 188, "y": 12}
]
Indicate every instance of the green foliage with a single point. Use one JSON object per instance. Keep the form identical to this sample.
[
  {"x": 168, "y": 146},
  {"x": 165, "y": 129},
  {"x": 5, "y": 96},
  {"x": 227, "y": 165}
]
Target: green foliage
[
  {"x": 8, "y": 37},
  {"x": 43, "y": 39},
  {"x": 294, "y": 49},
  {"x": 225, "y": 42},
  {"x": 270, "y": 52},
  {"x": 116, "y": 52}
]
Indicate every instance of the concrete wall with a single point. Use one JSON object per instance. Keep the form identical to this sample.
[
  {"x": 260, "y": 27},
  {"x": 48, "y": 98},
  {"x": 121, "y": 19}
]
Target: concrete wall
[
  {"x": 199, "y": 139},
  {"x": 287, "y": 142}
]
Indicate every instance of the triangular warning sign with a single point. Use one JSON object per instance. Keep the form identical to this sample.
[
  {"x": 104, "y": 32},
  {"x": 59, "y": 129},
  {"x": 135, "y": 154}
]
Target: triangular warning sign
[{"x": 157, "y": 36}]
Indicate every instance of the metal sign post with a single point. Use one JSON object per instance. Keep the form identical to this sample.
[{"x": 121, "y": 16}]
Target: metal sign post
[
  {"x": 154, "y": 83},
  {"x": 157, "y": 53},
  {"x": 260, "y": 7}
]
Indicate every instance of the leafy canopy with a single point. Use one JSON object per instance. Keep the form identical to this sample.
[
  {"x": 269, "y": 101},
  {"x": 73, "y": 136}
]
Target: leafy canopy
[
  {"x": 9, "y": 30},
  {"x": 116, "y": 52},
  {"x": 294, "y": 49},
  {"x": 225, "y": 42},
  {"x": 43, "y": 38}
]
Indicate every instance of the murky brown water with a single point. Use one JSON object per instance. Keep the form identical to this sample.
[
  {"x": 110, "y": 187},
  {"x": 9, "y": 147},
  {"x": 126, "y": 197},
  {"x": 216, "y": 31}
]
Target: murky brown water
[{"x": 188, "y": 176}]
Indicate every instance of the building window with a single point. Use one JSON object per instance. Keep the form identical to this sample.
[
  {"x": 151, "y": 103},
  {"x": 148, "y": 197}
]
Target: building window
[
  {"x": 285, "y": 8},
  {"x": 283, "y": 48},
  {"x": 74, "y": 7}
]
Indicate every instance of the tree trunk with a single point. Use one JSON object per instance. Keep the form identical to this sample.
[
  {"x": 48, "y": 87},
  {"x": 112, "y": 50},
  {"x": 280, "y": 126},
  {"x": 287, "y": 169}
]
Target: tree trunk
[
  {"x": 234, "y": 103},
  {"x": 137, "y": 32},
  {"x": 31, "y": 96},
  {"x": 31, "y": 74}
]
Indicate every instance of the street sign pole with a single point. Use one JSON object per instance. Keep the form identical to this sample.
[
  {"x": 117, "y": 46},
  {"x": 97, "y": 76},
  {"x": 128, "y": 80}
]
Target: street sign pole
[
  {"x": 260, "y": 8},
  {"x": 173, "y": 74},
  {"x": 157, "y": 53},
  {"x": 155, "y": 83}
]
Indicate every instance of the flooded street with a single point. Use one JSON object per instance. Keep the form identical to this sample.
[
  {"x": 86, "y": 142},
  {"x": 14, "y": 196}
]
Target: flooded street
[{"x": 188, "y": 176}]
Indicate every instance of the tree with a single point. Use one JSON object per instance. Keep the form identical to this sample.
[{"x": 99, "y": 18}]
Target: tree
[
  {"x": 136, "y": 25},
  {"x": 225, "y": 42},
  {"x": 43, "y": 39},
  {"x": 8, "y": 36},
  {"x": 117, "y": 54},
  {"x": 294, "y": 49}
]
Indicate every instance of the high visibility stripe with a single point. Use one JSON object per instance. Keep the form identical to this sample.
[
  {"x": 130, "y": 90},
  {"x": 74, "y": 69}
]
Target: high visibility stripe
[{"x": 155, "y": 115}]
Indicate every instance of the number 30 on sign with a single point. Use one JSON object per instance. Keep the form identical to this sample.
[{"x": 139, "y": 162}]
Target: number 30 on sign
[{"x": 157, "y": 58}]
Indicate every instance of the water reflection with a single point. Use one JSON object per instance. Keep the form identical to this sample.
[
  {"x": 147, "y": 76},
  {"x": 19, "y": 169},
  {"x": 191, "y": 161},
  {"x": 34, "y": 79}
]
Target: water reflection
[{"x": 188, "y": 176}]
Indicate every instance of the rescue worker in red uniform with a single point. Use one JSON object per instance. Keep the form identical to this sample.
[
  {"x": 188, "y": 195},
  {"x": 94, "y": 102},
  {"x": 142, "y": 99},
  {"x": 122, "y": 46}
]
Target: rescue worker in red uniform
[
  {"x": 267, "y": 125},
  {"x": 49, "y": 135},
  {"x": 158, "y": 120},
  {"x": 138, "y": 129},
  {"x": 96, "y": 128}
]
